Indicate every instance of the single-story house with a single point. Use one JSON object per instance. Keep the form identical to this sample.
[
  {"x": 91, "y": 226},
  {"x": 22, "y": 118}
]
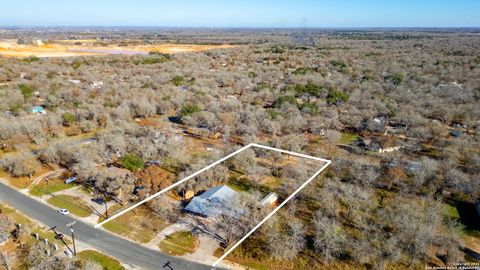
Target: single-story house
[
  {"x": 212, "y": 202},
  {"x": 38, "y": 110},
  {"x": 269, "y": 200}
]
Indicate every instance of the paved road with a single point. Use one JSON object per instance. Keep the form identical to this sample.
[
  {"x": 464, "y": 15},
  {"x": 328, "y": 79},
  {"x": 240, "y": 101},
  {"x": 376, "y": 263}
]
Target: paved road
[{"x": 114, "y": 246}]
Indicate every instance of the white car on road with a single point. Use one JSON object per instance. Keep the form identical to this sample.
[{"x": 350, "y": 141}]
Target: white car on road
[{"x": 64, "y": 212}]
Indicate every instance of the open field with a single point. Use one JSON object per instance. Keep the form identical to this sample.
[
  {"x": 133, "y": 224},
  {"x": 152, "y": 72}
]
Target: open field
[{"x": 68, "y": 48}]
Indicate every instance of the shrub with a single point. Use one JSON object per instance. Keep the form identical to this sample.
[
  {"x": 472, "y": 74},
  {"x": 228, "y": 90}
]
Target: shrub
[
  {"x": 189, "y": 109},
  {"x": 277, "y": 49},
  {"x": 335, "y": 97},
  {"x": 178, "y": 80},
  {"x": 285, "y": 99},
  {"x": 132, "y": 162},
  {"x": 309, "y": 107},
  {"x": 68, "y": 118},
  {"x": 76, "y": 64},
  {"x": 27, "y": 91},
  {"x": 309, "y": 88},
  {"x": 304, "y": 70},
  {"x": 395, "y": 78},
  {"x": 163, "y": 55},
  {"x": 31, "y": 59},
  {"x": 154, "y": 58},
  {"x": 340, "y": 65}
]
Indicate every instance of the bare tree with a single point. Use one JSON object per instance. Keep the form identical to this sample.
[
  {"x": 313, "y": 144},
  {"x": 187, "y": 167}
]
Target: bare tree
[{"x": 330, "y": 237}]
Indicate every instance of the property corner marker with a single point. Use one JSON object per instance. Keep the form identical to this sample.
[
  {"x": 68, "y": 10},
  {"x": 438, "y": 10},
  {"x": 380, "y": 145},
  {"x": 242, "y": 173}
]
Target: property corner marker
[{"x": 214, "y": 265}]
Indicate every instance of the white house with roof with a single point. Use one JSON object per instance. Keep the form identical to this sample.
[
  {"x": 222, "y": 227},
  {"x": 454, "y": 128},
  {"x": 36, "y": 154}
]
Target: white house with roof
[{"x": 213, "y": 202}]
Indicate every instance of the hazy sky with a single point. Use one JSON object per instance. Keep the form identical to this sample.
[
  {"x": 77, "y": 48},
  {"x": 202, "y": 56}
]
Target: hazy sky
[{"x": 245, "y": 13}]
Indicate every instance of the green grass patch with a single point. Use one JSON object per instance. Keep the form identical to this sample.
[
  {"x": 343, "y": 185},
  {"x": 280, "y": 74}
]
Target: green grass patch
[
  {"x": 71, "y": 203},
  {"x": 348, "y": 138},
  {"x": 51, "y": 187},
  {"x": 451, "y": 211},
  {"x": 239, "y": 185},
  {"x": 178, "y": 243},
  {"x": 105, "y": 261}
]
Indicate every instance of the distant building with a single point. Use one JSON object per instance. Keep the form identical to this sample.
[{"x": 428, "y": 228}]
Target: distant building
[
  {"x": 74, "y": 81},
  {"x": 269, "y": 200},
  {"x": 379, "y": 144},
  {"x": 213, "y": 202},
  {"x": 38, "y": 110},
  {"x": 97, "y": 84}
]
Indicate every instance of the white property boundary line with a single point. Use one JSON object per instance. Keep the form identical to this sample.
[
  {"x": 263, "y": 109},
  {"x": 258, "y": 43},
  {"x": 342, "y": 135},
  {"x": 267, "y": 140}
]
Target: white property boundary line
[{"x": 327, "y": 163}]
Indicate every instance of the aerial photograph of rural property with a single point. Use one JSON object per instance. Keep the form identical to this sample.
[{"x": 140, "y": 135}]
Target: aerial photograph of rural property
[{"x": 242, "y": 135}]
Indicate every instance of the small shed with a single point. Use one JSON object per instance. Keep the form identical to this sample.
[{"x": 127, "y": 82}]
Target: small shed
[{"x": 269, "y": 200}]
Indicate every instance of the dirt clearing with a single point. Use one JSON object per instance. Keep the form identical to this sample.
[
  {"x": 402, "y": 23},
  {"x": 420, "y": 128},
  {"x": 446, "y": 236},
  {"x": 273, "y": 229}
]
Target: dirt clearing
[{"x": 68, "y": 48}]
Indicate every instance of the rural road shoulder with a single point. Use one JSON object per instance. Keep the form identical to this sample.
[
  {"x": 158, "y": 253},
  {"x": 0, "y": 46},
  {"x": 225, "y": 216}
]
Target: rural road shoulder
[{"x": 122, "y": 249}]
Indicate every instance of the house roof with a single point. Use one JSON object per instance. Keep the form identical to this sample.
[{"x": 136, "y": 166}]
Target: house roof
[
  {"x": 211, "y": 202},
  {"x": 37, "y": 109}
]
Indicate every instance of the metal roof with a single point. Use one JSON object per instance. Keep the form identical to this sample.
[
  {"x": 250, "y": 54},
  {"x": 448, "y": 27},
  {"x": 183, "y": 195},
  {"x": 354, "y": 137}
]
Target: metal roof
[{"x": 212, "y": 202}]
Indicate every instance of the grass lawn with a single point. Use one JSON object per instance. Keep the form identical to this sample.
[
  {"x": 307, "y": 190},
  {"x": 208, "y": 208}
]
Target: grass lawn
[
  {"x": 451, "y": 211},
  {"x": 72, "y": 204},
  {"x": 348, "y": 138},
  {"x": 179, "y": 243},
  {"x": 106, "y": 262},
  {"x": 53, "y": 185},
  {"x": 139, "y": 224}
]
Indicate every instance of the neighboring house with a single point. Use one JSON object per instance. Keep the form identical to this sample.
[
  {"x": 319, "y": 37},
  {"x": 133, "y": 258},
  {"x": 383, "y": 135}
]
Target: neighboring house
[
  {"x": 269, "y": 200},
  {"x": 97, "y": 84},
  {"x": 213, "y": 202},
  {"x": 38, "y": 110},
  {"x": 379, "y": 144}
]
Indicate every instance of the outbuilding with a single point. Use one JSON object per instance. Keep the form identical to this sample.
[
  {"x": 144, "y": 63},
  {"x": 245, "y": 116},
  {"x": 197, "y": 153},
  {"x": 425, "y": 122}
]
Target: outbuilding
[{"x": 269, "y": 200}]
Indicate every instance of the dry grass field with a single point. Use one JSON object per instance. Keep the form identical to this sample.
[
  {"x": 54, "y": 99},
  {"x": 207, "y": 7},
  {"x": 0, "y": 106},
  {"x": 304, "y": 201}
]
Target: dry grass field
[{"x": 67, "y": 48}]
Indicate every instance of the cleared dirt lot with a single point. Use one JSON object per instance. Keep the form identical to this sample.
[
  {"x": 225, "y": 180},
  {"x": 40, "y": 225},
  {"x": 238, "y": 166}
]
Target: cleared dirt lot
[{"x": 66, "y": 48}]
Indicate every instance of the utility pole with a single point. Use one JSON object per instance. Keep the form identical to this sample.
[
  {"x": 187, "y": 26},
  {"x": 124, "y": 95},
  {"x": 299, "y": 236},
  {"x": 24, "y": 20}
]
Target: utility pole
[
  {"x": 70, "y": 225},
  {"x": 59, "y": 236},
  {"x": 105, "y": 202}
]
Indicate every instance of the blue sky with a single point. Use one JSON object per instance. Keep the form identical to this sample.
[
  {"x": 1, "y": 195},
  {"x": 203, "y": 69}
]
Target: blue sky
[{"x": 246, "y": 13}]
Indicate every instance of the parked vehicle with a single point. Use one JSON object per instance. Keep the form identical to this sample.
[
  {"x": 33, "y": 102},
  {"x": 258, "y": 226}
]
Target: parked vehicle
[
  {"x": 64, "y": 212},
  {"x": 98, "y": 200},
  {"x": 71, "y": 179}
]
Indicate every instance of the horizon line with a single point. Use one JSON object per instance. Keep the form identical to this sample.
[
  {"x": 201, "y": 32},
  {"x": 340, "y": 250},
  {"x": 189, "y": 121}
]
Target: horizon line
[{"x": 241, "y": 27}]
